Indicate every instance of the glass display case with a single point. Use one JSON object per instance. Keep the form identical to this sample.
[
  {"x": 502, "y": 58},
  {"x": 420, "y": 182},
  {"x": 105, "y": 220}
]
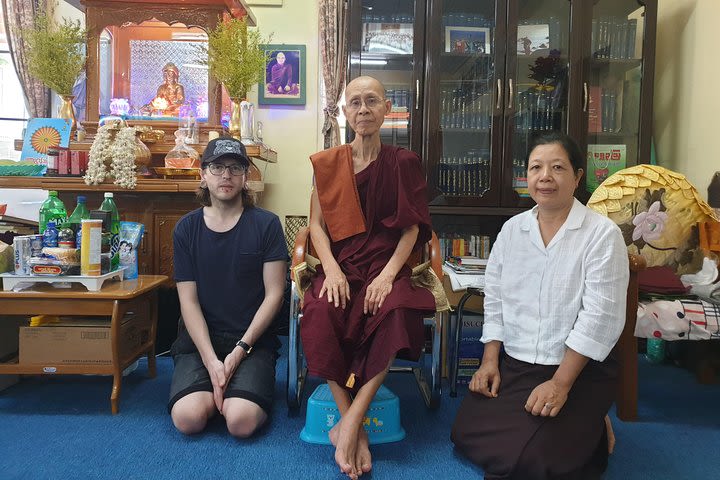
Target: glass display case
[{"x": 145, "y": 59}]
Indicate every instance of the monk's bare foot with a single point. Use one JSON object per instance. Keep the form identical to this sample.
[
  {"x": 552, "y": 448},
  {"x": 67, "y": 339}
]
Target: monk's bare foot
[
  {"x": 364, "y": 459},
  {"x": 334, "y": 432},
  {"x": 346, "y": 448}
]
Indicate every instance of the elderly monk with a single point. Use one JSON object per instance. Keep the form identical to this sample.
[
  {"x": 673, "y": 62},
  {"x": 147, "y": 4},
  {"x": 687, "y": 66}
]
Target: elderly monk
[{"x": 369, "y": 212}]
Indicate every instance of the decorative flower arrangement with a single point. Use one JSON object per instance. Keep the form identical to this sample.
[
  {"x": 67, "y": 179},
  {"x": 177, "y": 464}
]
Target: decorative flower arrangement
[
  {"x": 55, "y": 51},
  {"x": 118, "y": 152}
]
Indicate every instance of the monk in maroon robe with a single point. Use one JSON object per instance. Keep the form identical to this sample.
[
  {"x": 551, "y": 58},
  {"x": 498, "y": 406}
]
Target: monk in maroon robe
[{"x": 369, "y": 212}]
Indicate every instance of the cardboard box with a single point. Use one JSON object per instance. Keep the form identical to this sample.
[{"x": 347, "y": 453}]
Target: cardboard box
[{"x": 85, "y": 342}]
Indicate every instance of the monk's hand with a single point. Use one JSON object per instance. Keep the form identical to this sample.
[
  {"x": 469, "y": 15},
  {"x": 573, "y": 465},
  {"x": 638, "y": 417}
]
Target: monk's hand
[
  {"x": 547, "y": 399},
  {"x": 336, "y": 286},
  {"x": 376, "y": 293},
  {"x": 216, "y": 370},
  {"x": 486, "y": 380}
]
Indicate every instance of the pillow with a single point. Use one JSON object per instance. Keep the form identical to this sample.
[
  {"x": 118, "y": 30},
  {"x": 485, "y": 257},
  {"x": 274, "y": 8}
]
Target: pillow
[{"x": 657, "y": 211}]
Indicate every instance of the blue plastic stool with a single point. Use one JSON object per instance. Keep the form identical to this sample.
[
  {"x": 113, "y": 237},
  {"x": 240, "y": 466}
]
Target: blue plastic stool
[{"x": 382, "y": 420}]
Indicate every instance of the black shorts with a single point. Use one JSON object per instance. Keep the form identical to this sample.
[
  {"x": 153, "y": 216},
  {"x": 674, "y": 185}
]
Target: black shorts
[{"x": 254, "y": 379}]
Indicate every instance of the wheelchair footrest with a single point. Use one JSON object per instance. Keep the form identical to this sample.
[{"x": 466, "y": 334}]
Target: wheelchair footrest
[{"x": 382, "y": 420}]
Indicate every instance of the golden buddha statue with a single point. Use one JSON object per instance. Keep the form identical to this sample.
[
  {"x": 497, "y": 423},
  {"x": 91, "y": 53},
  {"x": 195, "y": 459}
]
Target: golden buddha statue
[{"x": 170, "y": 95}]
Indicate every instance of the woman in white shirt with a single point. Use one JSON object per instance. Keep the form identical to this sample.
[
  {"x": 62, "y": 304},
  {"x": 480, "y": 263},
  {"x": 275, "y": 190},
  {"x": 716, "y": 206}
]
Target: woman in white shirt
[{"x": 555, "y": 290}]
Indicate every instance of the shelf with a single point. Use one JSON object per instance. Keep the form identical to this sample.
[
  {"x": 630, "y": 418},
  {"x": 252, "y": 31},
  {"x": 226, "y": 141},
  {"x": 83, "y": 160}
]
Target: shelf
[
  {"x": 453, "y": 210},
  {"x": 463, "y": 130},
  {"x": 259, "y": 152},
  {"x": 77, "y": 184}
]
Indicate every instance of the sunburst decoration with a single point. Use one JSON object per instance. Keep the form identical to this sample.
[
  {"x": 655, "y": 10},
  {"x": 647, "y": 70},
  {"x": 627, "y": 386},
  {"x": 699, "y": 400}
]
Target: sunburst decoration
[{"x": 44, "y": 138}]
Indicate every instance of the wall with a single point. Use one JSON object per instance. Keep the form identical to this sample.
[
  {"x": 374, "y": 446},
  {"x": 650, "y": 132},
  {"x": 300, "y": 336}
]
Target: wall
[
  {"x": 292, "y": 130},
  {"x": 686, "y": 103}
]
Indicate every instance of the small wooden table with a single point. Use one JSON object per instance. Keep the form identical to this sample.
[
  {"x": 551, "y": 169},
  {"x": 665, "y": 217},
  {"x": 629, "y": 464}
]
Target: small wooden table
[{"x": 136, "y": 299}]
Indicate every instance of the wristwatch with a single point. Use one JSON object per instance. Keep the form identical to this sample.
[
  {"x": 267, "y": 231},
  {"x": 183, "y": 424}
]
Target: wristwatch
[{"x": 244, "y": 346}]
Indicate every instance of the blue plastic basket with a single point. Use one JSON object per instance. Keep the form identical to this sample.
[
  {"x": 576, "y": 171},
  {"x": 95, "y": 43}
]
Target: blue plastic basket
[{"x": 382, "y": 420}]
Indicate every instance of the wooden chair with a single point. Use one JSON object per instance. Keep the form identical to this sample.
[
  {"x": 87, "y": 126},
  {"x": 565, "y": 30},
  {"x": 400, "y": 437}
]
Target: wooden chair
[
  {"x": 428, "y": 382},
  {"x": 627, "y": 389}
]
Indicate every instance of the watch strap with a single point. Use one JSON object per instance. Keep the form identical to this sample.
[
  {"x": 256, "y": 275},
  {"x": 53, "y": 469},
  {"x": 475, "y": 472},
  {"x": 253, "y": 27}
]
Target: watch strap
[{"x": 244, "y": 346}]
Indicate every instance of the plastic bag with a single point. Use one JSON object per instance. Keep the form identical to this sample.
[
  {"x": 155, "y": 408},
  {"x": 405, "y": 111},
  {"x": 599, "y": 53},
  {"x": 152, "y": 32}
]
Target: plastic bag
[
  {"x": 182, "y": 155},
  {"x": 130, "y": 235}
]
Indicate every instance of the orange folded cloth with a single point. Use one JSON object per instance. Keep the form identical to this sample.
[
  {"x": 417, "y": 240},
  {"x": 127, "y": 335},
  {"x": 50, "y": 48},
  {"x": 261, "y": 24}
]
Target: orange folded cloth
[{"x": 337, "y": 192}]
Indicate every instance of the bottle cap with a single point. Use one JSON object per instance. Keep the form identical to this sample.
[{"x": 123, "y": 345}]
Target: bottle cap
[
  {"x": 50, "y": 224},
  {"x": 81, "y": 198},
  {"x": 52, "y": 193},
  {"x": 108, "y": 195}
]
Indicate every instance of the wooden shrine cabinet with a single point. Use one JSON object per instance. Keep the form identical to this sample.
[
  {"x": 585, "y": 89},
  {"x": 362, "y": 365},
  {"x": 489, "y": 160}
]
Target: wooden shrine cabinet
[{"x": 472, "y": 81}]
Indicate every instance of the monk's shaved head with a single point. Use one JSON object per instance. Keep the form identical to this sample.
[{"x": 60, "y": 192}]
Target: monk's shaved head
[{"x": 366, "y": 81}]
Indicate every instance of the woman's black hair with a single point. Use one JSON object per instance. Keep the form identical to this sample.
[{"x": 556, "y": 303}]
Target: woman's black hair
[{"x": 567, "y": 143}]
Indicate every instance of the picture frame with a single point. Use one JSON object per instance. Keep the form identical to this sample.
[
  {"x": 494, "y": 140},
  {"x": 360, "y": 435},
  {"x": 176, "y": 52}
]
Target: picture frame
[
  {"x": 283, "y": 82},
  {"x": 533, "y": 39},
  {"x": 467, "y": 40}
]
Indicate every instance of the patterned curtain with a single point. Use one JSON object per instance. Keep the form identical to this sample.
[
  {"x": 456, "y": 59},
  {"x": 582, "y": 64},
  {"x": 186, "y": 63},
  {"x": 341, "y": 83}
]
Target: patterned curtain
[
  {"x": 333, "y": 55},
  {"x": 20, "y": 14}
]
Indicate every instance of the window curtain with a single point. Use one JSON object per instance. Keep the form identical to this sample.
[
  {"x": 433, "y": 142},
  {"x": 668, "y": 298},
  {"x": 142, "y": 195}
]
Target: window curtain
[
  {"x": 20, "y": 14},
  {"x": 333, "y": 21}
]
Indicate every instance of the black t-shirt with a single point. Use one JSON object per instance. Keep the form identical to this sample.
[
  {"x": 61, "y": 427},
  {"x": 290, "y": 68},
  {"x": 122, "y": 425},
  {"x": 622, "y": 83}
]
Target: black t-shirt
[{"x": 227, "y": 267}]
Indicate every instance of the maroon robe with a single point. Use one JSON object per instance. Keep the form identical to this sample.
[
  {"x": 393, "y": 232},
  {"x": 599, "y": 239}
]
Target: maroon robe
[{"x": 345, "y": 345}]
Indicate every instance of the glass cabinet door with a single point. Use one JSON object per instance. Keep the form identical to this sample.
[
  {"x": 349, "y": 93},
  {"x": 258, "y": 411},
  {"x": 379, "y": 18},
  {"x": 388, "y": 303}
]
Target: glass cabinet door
[
  {"x": 538, "y": 76},
  {"x": 463, "y": 103},
  {"x": 387, "y": 46},
  {"x": 612, "y": 90}
]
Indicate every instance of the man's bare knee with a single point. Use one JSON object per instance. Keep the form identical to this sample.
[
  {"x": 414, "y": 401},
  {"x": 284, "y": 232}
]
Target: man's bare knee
[
  {"x": 191, "y": 413},
  {"x": 243, "y": 417}
]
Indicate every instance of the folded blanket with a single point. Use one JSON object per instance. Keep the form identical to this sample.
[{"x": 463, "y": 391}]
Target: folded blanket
[{"x": 660, "y": 280}]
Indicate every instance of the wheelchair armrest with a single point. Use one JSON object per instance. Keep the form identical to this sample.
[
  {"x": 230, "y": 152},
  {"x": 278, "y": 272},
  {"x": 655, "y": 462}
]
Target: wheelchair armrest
[{"x": 302, "y": 240}]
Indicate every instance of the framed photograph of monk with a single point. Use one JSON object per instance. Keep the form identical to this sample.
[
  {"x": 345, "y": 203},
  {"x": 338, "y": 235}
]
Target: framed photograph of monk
[{"x": 284, "y": 82}]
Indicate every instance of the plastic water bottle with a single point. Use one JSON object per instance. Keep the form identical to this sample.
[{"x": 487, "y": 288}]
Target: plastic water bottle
[
  {"x": 50, "y": 236},
  {"x": 52, "y": 209},
  {"x": 655, "y": 350},
  {"x": 108, "y": 205}
]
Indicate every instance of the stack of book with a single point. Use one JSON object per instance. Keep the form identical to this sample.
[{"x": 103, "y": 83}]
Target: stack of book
[{"x": 467, "y": 265}]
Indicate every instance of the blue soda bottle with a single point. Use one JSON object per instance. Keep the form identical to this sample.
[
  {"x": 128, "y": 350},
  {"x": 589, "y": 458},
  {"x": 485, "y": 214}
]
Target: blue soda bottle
[{"x": 50, "y": 236}]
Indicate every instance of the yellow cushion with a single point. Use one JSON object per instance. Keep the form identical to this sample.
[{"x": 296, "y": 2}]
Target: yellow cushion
[{"x": 657, "y": 211}]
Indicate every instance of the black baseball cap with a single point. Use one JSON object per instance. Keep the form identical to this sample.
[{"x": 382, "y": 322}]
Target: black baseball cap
[{"x": 225, "y": 147}]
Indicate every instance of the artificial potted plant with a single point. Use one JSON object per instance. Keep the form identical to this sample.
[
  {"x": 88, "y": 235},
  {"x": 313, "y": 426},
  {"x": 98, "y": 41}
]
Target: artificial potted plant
[
  {"x": 56, "y": 57},
  {"x": 236, "y": 59}
]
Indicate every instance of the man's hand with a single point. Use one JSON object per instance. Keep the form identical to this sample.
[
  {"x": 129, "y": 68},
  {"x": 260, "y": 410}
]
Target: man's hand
[
  {"x": 232, "y": 361},
  {"x": 216, "y": 370},
  {"x": 486, "y": 380},
  {"x": 376, "y": 292},
  {"x": 336, "y": 286},
  {"x": 547, "y": 399}
]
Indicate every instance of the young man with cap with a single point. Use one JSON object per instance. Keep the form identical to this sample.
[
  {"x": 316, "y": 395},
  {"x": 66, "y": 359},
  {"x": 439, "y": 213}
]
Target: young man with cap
[{"x": 230, "y": 263}]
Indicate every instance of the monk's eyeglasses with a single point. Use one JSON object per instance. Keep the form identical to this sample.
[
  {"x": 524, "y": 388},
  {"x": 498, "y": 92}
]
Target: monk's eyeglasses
[{"x": 370, "y": 102}]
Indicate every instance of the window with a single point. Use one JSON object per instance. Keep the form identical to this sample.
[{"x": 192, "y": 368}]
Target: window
[{"x": 13, "y": 114}]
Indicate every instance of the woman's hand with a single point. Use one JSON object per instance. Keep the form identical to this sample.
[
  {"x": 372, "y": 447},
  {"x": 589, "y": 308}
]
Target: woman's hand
[
  {"x": 336, "y": 286},
  {"x": 547, "y": 399},
  {"x": 486, "y": 380},
  {"x": 376, "y": 292}
]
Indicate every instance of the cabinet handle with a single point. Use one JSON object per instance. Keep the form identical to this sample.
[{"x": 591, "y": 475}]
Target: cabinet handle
[
  {"x": 498, "y": 102},
  {"x": 417, "y": 94},
  {"x": 511, "y": 93},
  {"x": 585, "y": 96}
]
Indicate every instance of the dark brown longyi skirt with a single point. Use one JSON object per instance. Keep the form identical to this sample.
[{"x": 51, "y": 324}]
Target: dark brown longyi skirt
[{"x": 508, "y": 443}]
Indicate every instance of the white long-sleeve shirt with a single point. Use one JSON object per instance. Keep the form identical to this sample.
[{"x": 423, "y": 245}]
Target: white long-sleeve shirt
[{"x": 572, "y": 293}]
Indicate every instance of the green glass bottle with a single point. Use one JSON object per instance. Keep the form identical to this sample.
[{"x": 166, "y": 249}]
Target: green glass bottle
[{"x": 80, "y": 213}]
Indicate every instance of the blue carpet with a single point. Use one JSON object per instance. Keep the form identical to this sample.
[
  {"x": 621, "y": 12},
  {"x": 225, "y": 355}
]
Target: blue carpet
[{"x": 61, "y": 427}]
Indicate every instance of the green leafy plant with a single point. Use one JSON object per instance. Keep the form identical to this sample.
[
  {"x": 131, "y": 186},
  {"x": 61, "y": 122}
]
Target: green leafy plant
[
  {"x": 56, "y": 52},
  {"x": 235, "y": 56}
]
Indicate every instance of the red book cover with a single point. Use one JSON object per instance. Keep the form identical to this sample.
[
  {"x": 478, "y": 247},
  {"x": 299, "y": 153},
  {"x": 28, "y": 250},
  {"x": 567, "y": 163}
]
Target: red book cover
[{"x": 594, "y": 110}]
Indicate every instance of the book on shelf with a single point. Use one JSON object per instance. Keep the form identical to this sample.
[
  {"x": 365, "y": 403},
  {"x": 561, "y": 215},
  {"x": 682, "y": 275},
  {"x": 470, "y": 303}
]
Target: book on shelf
[
  {"x": 603, "y": 161},
  {"x": 457, "y": 245},
  {"x": 469, "y": 270}
]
